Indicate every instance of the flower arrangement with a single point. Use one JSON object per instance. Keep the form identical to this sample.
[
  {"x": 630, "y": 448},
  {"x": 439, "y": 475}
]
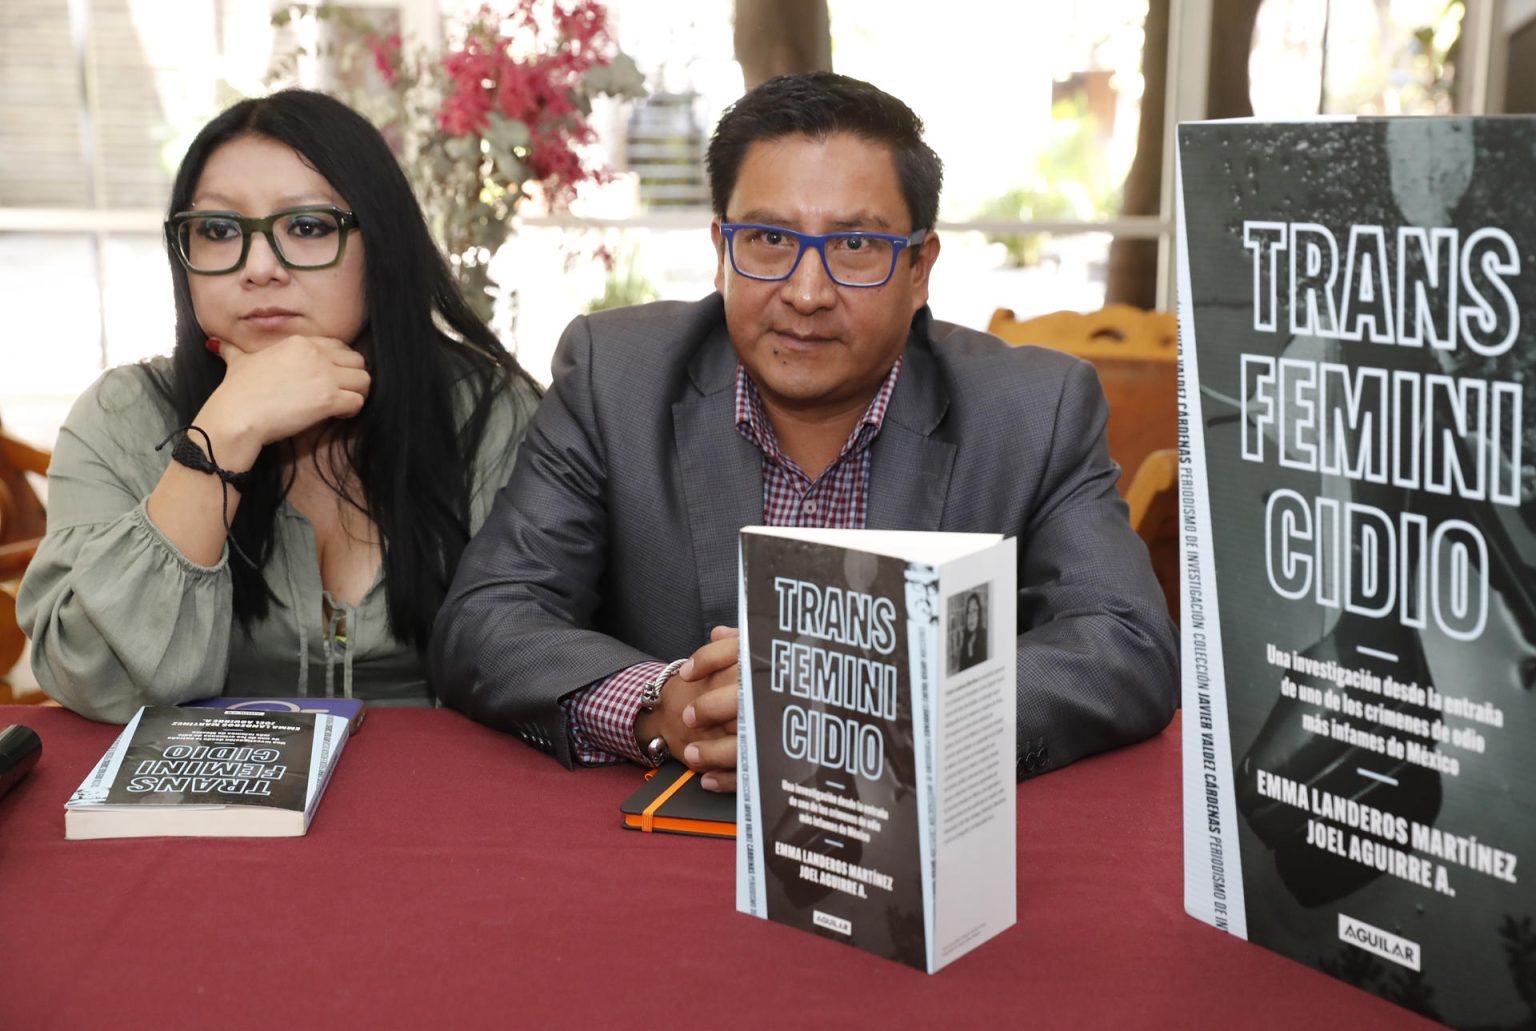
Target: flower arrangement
[{"x": 500, "y": 115}]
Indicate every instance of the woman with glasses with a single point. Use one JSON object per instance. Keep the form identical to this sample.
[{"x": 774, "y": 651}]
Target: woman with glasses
[
  {"x": 973, "y": 634},
  {"x": 277, "y": 508}
]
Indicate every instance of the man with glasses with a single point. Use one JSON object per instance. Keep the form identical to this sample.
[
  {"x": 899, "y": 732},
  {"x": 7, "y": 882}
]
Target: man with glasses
[{"x": 591, "y": 615}]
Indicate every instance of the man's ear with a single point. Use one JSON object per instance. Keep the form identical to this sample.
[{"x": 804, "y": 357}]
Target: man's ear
[
  {"x": 719, "y": 241},
  {"x": 925, "y": 255}
]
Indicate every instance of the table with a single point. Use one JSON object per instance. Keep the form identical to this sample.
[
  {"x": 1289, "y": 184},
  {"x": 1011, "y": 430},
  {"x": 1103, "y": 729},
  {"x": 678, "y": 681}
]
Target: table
[{"x": 454, "y": 877}]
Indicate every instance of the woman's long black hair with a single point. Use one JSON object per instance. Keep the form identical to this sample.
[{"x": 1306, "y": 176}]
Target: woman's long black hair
[{"x": 413, "y": 457}]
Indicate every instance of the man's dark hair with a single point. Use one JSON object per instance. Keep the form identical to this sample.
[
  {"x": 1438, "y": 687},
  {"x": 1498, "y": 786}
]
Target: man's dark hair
[{"x": 818, "y": 104}]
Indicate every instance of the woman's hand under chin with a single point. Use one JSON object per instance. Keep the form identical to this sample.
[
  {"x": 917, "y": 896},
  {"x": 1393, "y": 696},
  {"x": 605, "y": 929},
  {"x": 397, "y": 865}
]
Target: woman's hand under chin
[{"x": 279, "y": 391}]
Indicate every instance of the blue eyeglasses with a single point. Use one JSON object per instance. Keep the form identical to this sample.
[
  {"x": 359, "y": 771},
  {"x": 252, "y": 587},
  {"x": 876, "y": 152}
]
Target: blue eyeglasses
[{"x": 772, "y": 253}]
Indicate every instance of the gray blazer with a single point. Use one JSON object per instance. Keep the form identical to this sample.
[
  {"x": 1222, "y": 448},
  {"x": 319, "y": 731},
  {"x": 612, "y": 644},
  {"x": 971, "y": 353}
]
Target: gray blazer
[{"x": 615, "y": 540}]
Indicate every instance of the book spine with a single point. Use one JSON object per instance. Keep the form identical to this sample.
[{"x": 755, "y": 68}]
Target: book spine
[
  {"x": 751, "y": 886},
  {"x": 330, "y": 737},
  {"x": 94, "y": 790},
  {"x": 923, "y": 615},
  {"x": 1213, "y": 878}
]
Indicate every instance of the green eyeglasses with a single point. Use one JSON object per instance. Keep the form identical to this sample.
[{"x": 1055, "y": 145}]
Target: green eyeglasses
[{"x": 212, "y": 243}]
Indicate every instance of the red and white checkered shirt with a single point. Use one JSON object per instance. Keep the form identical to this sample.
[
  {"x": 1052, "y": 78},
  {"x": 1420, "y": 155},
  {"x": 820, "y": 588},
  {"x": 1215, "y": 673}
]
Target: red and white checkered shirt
[{"x": 602, "y": 716}]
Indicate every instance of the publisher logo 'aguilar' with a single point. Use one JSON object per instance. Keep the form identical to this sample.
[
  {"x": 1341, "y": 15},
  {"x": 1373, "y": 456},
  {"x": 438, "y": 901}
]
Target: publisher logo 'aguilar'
[
  {"x": 1384, "y": 944},
  {"x": 832, "y": 923}
]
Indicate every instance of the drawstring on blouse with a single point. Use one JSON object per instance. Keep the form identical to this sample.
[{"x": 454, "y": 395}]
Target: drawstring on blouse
[
  {"x": 338, "y": 622},
  {"x": 302, "y": 622},
  {"x": 337, "y": 629}
]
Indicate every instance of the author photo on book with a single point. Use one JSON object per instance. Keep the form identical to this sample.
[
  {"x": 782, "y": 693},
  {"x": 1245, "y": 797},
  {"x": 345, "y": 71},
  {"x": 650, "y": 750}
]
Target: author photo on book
[
  {"x": 968, "y": 615},
  {"x": 278, "y": 507},
  {"x": 593, "y": 614}
]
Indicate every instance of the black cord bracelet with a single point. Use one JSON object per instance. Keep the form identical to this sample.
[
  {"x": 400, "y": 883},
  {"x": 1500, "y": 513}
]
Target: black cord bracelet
[
  {"x": 201, "y": 459},
  {"x": 190, "y": 455}
]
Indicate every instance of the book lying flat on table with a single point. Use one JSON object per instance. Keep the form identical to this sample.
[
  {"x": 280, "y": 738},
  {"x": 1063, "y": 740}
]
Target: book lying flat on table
[
  {"x": 354, "y": 710},
  {"x": 194, "y": 772},
  {"x": 875, "y": 777},
  {"x": 671, "y": 800}
]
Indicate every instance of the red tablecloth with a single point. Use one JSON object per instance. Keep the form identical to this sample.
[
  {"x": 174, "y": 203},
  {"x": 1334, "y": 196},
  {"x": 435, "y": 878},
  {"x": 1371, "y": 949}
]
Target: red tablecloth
[{"x": 453, "y": 877}]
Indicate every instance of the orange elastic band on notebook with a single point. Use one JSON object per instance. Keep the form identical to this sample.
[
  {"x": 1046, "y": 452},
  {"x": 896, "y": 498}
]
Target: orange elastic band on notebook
[{"x": 647, "y": 818}]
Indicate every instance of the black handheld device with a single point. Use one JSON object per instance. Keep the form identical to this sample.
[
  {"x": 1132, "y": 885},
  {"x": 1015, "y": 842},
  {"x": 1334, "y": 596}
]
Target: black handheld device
[{"x": 19, "y": 749}]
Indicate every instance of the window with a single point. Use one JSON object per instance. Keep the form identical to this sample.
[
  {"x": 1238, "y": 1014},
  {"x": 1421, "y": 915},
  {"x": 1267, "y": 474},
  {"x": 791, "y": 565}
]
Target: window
[{"x": 98, "y": 99}]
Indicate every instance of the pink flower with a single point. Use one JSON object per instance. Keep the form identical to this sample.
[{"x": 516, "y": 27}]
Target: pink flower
[
  {"x": 518, "y": 93},
  {"x": 386, "y": 56},
  {"x": 464, "y": 112},
  {"x": 523, "y": 60},
  {"x": 555, "y": 160},
  {"x": 584, "y": 27}
]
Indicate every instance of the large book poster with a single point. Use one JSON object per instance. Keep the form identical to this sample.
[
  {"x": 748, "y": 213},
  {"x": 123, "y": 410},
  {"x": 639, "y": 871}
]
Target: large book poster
[
  {"x": 1357, "y": 309},
  {"x": 834, "y": 756}
]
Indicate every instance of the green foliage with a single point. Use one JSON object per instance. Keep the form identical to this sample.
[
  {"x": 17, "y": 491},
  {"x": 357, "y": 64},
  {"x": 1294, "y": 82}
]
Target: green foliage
[
  {"x": 498, "y": 116},
  {"x": 1432, "y": 59},
  {"x": 1070, "y": 181},
  {"x": 624, "y": 286}
]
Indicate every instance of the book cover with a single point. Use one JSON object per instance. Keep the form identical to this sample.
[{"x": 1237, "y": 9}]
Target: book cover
[
  {"x": 1356, "y": 305},
  {"x": 189, "y": 771},
  {"x": 353, "y": 710},
  {"x": 670, "y": 800},
  {"x": 875, "y": 766}
]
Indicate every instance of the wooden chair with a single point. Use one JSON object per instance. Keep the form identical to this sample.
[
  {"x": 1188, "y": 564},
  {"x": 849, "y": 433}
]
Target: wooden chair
[
  {"x": 1153, "y": 498},
  {"x": 1114, "y": 331},
  {"x": 1136, "y": 355},
  {"x": 22, "y": 522}
]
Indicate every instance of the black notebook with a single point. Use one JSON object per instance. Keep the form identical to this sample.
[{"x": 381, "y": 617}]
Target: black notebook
[{"x": 671, "y": 800}]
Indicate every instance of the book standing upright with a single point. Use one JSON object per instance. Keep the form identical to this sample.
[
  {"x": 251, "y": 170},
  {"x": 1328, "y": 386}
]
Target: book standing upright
[
  {"x": 876, "y": 793},
  {"x": 1357, "y": 324}
]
